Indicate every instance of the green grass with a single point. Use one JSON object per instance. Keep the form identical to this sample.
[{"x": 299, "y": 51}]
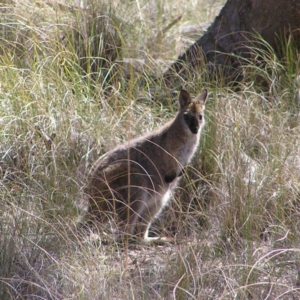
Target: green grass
[{"x": 235, "y": 215}]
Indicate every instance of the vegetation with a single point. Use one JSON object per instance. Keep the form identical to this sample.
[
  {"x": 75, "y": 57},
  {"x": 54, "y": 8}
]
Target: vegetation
[{"x": 75, "y": 82}]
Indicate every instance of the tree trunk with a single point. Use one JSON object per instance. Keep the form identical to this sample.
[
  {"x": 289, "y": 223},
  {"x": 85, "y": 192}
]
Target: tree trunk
[{"x": 226, "y": 43}]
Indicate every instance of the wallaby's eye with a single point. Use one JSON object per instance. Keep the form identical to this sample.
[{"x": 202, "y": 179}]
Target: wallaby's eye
[
  {"x": 186, "y": 116},
  {"x": 200, "y": 117}
]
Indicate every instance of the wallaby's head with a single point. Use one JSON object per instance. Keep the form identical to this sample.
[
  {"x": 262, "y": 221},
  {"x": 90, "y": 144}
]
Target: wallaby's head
[{"x": 192, "y": 110}]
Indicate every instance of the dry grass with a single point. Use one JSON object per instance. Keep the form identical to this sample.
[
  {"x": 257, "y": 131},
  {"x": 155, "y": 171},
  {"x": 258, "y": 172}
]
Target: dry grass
[{"x": 235, "y": 216}]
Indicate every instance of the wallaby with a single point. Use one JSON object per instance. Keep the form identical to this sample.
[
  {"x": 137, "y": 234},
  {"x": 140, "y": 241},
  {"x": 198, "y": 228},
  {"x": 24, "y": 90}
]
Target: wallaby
[{"x": 132, "y": 182}]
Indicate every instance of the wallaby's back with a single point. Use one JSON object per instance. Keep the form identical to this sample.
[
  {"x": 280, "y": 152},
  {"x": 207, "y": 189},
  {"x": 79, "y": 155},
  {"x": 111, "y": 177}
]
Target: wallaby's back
[{"x": 132, "y": 182}]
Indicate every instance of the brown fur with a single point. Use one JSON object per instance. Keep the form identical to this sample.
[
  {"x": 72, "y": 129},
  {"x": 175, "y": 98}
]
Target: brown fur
[{"x": 132, "y": 182}]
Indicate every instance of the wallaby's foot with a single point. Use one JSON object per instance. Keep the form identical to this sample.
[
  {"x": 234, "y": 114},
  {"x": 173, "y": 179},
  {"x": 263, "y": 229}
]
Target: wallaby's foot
[
  {"x": 158, "y": 240},
  {"x": 135, "y": 241}
]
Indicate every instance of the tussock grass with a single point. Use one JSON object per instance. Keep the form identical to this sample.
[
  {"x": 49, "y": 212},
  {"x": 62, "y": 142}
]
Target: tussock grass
[{"x": 64, "y": 101}]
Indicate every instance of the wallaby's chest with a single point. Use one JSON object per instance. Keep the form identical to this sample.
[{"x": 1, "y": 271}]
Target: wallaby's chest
[{"x": 186, "y": 151}]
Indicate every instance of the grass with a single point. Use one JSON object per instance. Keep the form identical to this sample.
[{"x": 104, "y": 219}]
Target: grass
[{"x": 235, "y": 216}]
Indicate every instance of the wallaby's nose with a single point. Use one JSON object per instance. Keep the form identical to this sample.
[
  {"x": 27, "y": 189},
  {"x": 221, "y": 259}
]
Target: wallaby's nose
[{"x": 195, "y": 129}]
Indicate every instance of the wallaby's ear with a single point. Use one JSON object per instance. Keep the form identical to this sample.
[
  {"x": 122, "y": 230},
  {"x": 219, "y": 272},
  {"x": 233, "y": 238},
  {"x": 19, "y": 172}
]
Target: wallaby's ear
[
  {"x": 201, "y": 98},
  {"x": 184, "y": 98}
]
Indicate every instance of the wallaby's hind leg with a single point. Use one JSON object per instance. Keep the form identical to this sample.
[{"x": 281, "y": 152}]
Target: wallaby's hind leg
[
  {"x": 139, "y": 206},
  {"x": 135, "y": 216},
  {"x": 130, "y": 200},
  {"x": 142, "y": 220},
  {"x": 149, "y": 208}
]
